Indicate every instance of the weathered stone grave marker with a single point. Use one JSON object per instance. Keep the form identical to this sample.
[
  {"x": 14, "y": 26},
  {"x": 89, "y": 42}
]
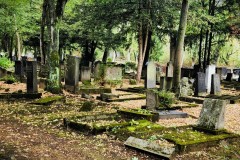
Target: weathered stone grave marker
[
  {"x": 162, "y": 83},
  {"x": 150, "y": 81},
  {"x": 169, "y": 69},
  {"x": 72, "y": 73},
  {"x": 31, "y": 70},
  {"x": 200, "y": 86},
  {"x": 19, "y": 68},
  {"x": 229, "y": 77},
  {"x": 215, "y": 86},
  {"x": 85, "y": 74},
  {"x": 208, "y": 79},
  {"x": 212, "y": 114}
]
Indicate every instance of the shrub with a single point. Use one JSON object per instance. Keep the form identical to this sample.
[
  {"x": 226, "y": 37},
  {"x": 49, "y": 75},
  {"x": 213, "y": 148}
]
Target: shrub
[
  {"x": 5, "y": 62},
  {"x": 166, "y": 98},
  {"x": 132, "y": 81},
  {"x": 9, "y": 79}
]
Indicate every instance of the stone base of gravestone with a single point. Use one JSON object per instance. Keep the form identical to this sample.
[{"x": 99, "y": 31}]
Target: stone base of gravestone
[
  {"x": 151, "y": 100},
  {"x": 229, "y": 77},
  {"x": 162, "y": 83},
  {"x": 215, "y": 86},
  {"x": 169, "y": 81},
  {"x": 199, "y": 85},
  {"x": 85, "y": 74},
  {"x": 31, "y": 70},
  {"x": 212, "y": 115}
]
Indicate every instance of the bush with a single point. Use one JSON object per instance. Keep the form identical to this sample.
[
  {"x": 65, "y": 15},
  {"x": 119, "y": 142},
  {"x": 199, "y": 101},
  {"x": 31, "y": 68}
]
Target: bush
[
  {"x": 132, "y": 81},
  {"x": 87, "y": 106},
  {"x": 5, "y": 62},
  {"x": 166, "y": 98},
  {"x": 9, "y": 79}
]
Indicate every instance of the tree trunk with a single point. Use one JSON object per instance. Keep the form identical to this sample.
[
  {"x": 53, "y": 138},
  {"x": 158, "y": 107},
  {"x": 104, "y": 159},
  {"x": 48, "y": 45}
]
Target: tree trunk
[
  {"x": 205, "y": 51},
  {"x": 105, "y": 55},
  {"x": 211, "y": 12},
  {"x": 173, "y": 43},
  {"x": 180, "y": 45},
  {"x": 200, "y": 49}
]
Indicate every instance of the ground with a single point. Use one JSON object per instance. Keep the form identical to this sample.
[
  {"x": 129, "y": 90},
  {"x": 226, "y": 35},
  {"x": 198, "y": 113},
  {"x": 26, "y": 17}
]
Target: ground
[{"x": 37, "y": 132}]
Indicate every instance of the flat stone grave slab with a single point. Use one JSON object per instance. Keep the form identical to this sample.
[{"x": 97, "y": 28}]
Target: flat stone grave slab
[
  {"x": 169, "y": 114},
  {"x": 94, "y": 90},
  {"x": 125, "y": 97},
  {"x": 183, "y": 140},
  {"x": 139, "y": 114},
  {"x": 49, "y": 100},
  {"x": 198, "y": 100},
  {"x": 133, "y": 89},
  {"x": 20, "y": 95}
]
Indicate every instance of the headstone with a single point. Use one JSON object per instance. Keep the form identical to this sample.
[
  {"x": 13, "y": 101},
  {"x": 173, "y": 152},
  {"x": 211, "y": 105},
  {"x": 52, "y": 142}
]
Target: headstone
[
  {"x": 185, "y": 87},
  {"x": 150, "y": 81},
  {"x": 19, "y": 68},
  {"x": 72, "y": 73},
  {"x": 24, "y": 62},
  {"x": 162, "y": 83},
  {"x": 169, "y": 72},
  {"x": 169, "y": 81},
  {"x": 151, "y": 99},
  {"x": 85, "y": 74},
  {"x": 211, "y": 69},
  {"x": 97, "y": 66},
  {"x": 113, "y": 73},
  {"x": 229, "y": 77},
  {"x": 199, "y": 85},
  {"x": 212, "y": 114},
  {"x": 215, "y": 86},
  {"x": 32, "y": 83},
  {"x": 222, "y": 71}
]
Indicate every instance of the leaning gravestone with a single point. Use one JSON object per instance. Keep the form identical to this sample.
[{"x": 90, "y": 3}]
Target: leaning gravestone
[
  {"x": 150, "y": 81},
  {"x": 31, "y": 70},
  {"x": 211, "y": 69},
  {"x": 85, "y": 74},
  {"x": 200, "y": 86},
  {"x": 215, "y": 86},
  {"x": 72, "y": 73},
  {"x": 212, "y": 114}
]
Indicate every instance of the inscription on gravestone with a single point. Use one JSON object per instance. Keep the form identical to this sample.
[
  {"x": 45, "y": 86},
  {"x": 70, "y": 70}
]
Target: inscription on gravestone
[
  {"x": 212, "y": 115},
  {"x": 31, "y": 70}
]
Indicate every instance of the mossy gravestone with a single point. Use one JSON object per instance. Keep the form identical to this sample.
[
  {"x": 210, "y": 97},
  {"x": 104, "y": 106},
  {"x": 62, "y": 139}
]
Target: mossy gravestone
[{"x": 212, "y": 114}]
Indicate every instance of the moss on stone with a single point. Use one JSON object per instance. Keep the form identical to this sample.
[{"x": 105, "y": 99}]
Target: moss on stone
[
  {"x": 48, "y": 100},
  {"x": 87, "y": 106}
]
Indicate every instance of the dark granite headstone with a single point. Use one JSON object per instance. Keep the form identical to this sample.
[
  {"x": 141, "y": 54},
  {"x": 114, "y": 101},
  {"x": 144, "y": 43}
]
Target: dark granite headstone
[
  {"x": 200, "y": 86},
  {"x": 169, "y": 81},
  {"x": 229, "y": 77},
  {"x": 19, "y": 68},
  {"x": 215, "y": 86},
  {"x": 24, "y": 63},
  {"x": 72, "y": 73},
  {"x": 32, "y": 83}
]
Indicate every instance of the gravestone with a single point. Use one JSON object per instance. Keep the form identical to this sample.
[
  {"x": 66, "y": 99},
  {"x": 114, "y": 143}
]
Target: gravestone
[
  {"x": 162, "y": 83},
  {"x": 185, "y": 87},
  {"x": 113, "y": 73},
  {"x": 169, "y": 81},
  {"x": 97, "y": 67},
  {"x": 211, "y": 69},
  {"x": 72, "y": 73},
  {"x": 31, "y": 70},
  {"x": 169, "y": 72},
  {"x": 212, "y": 114},
  {"x": 222, "y": 71},
  {"x": 150, "y": 81},
  {"x": 151, "y": 100},
  {"x": 24, "y": 63},
  {"x": 199, "y": 85},
  {"x": 229, "y": 77},
  {"x": 85, "y": 74},
  {"x": 19, "y": 68},
  {"x": 215, "y": 86}
]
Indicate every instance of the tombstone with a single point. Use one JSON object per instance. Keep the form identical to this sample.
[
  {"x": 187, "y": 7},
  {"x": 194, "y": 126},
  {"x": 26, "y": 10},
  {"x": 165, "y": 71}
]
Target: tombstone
[
  {"x": 113, "y": 73},
  {"x": 97, "y": 67},
  {"x": 196, "y": 69},
  {"x": 150, "y": 81},
  {"x": 24, "y": 61},
  {"x": 31, "y": 71},
  {"x": 187, "y": 72},
  {"x": 185, "y": 87},
  {"x": 199, "y": 85},
  {"x": 211, "y": 69},
  {"x": 215, "y": 86},
  {"x": 151, "y": 100},
  {"x": 169, "y": 71},
  {"x": 85, "y": 74},
  {"x": 229, "y": 77},
  {"x": 19, "y": 68},
  {"x": 162, "y": 83},
  {"x": 169, "y": 81},
  {"x": 212, "y": 114},
  {"x": 222, "y": 71},
  {"x": 72, "y": 73}
]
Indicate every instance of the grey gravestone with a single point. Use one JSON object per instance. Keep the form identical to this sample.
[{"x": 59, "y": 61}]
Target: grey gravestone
[
  {"x": 32, "y": 83},
  {"x": 211, "y": 69},
  {"x": 151, "y": 75},
  {"x": 200, "y": 86},
  {"x": 113, "y": 73},
  {"x": 185, "y": 87},
  {"x": 162, "y": 83},
  {"x": 222, "y": 71},
  {"x": 72, "y": 73},
  {"x": 151, "y": 99},
  {"x": 229, "y": 77},
  {"x": 215, "y": 86},
  {"x": 19, "y": 68},
  {"x": 169, "y": 81},
  {"x": 97, "y": 67},
  {"x": 85, "y": 74},
  {"x": 212, "y": 115},
  {"x": 169, "y": 72}
]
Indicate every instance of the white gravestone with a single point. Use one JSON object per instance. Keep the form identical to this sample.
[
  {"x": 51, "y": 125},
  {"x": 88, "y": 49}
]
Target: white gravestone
[{"x": 211, "y": 69}]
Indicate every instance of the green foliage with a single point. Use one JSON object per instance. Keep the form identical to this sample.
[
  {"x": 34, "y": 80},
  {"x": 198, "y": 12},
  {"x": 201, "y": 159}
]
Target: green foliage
[
  {"x": 9, "y": 79},
  {"x": 87, "y": 106},
  {"x": 5, "y": 62},
  {"x": 132, "y": 81},
  {"x": 130, "y": 65},
  {"x": 166, "y": 98}
]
